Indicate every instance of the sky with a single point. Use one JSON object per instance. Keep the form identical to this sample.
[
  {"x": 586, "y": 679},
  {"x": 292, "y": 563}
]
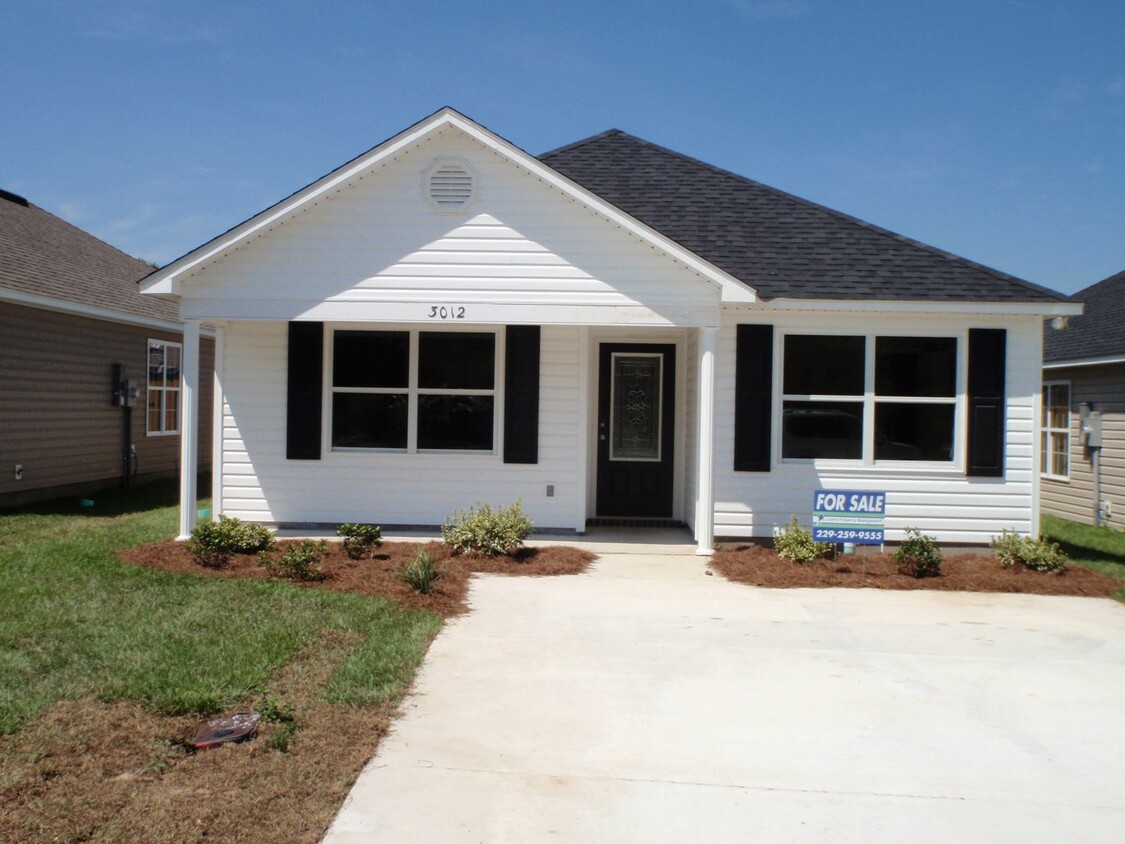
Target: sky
[{"x": 994, "y": 129}]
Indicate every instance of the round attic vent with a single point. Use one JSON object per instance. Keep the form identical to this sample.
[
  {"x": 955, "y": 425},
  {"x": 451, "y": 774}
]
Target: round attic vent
[{"x": 450, "y": 186}]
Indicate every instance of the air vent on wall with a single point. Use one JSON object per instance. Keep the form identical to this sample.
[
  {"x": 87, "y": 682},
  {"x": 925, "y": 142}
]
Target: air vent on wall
[{"x": 450, "y": 186}]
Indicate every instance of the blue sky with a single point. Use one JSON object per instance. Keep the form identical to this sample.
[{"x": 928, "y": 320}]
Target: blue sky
[{"x": 994, "y": 129}]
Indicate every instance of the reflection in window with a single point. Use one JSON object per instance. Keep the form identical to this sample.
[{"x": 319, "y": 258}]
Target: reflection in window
[
  {"x": 1055, "y": 436},
  {"x": 420, "y": 390},
  {"x": 162, "y": 393}
]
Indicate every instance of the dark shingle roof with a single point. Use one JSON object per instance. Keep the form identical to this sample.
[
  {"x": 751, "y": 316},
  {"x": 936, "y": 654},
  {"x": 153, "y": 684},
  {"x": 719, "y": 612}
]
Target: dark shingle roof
[
  {"x": 46, "y": 256},
  {"x": 779, "y": 244},
  {"x": 1099, "y": 332}
]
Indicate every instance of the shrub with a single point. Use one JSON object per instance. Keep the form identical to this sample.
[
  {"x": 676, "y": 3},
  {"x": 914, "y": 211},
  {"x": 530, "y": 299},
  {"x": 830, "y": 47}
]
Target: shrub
[
  {"x": 918, "y": 555},
  {"x": 281, "y": 738},
  {"x": 795, "y": 543},
  {"x": 482, "y": 530},
  {"x": 360, "y": 540},
  {"x": 213, "y": 543},
  {"x": 299, "y": 561},
  {"x": 421, "y": 572},
  {"x": 1035, "y": 554}
]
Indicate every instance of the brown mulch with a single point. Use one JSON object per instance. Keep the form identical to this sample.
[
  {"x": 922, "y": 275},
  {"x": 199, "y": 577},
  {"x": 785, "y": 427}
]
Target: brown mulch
[
  {"x": 761, "y": 566},
  {"x": 378, "y": 576}
]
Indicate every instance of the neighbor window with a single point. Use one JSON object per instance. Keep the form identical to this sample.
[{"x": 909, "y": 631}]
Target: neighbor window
[
  {"x": 868, "y": 398},
  {"x": 1055, "y": 437},
  {"x": 414, "y": 390},
  {"x": 163, "y": 389}
]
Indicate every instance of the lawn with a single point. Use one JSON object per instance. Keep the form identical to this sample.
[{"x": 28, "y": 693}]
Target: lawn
[
  {"x": 1098, "y": 548},
  {"x": 104, "y": 668}
]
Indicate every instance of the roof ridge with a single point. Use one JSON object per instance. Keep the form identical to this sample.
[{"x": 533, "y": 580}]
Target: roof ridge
[
  {"x": 877, "y": 229},
  {"x": 575, "y": 144}
]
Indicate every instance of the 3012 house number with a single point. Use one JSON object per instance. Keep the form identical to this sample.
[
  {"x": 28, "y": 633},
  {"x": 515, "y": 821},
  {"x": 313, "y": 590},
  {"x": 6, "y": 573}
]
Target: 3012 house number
[{"x": 446, "y": 312}]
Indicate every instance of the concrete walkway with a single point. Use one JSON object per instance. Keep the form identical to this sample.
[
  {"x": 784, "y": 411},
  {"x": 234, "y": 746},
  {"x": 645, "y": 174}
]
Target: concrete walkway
[{"x": 650, "y": 702}]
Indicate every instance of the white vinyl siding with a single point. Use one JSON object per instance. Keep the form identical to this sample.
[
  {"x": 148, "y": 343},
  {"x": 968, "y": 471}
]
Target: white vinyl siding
[
  {"x": 378, "y": 251},
  {"x": 259, "y": 484},
  {"x": 939, "y": 499}
]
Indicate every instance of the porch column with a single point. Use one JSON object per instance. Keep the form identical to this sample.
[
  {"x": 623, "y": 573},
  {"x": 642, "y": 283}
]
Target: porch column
[
  {"x": 189, "y": 426},
  {"x": 705, "y": 486}
]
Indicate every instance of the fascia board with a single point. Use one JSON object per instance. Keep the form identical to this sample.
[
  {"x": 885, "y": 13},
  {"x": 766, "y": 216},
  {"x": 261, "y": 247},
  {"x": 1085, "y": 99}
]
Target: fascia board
[
  {"x": 1043, "y": 309},
  {"x": 1099, "y": 361},
  {"x": 62, "y": 306}
]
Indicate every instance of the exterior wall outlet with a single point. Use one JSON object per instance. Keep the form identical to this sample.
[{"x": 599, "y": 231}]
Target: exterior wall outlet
[
  {"x": 550, "y": 490},
  {"x": 19, "y": 471}
]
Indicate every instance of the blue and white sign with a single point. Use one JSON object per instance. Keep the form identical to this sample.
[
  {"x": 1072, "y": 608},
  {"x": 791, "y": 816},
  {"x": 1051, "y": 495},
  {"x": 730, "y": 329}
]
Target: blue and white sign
[{"x": 843, "y": 515}]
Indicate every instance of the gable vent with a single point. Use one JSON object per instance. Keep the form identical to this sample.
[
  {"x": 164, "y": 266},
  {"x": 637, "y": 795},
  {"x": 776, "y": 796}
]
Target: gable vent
[{"x": 450, "y": 186}]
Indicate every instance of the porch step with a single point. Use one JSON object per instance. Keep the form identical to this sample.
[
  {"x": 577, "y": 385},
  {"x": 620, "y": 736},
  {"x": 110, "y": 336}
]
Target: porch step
[{"x": 641, "y": 523}]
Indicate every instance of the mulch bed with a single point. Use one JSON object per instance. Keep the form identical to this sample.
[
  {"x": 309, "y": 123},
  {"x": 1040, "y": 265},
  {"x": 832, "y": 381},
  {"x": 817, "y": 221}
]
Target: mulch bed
[
  {"x": 378, "y": 576},
  {"x": 761, "y": 566}
]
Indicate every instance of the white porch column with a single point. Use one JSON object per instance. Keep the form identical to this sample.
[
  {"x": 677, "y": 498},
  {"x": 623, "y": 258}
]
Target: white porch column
[
  {"x": 705, "y": 486},
  {"x": 189, "y": 426}
]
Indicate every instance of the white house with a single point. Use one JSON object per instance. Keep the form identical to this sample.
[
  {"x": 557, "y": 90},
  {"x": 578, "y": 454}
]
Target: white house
[{"x": 611, "y": 330}]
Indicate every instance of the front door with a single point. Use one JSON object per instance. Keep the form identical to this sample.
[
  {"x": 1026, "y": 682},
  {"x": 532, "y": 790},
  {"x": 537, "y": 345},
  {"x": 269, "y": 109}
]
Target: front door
[{"x": 636, "y": 413}]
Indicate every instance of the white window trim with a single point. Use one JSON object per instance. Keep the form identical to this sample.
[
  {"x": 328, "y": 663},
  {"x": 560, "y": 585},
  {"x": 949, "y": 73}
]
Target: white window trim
[
  {"x": 162, "y": 389},
  {"x": 413, "y": 390},
  {"x": 1047, "y": 430},
  {"x": 869, "y": 399}
]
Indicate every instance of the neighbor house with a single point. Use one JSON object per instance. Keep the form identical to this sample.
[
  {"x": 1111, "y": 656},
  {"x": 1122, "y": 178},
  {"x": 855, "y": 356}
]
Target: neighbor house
[
  {"x": 1083, "y": 417},
  {"x": 609, "y": 331},
  {"x": 73, "y": 326}
]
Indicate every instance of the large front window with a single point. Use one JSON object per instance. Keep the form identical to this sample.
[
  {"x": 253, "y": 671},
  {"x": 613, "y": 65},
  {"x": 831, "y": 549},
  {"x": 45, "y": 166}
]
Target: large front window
[
  {"x": 413, "y": 390},
  {"x": 869, "y": 398},
  {"x": 1055, "y": 442}
]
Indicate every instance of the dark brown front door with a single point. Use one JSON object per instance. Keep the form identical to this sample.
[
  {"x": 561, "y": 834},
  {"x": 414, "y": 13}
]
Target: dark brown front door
[{"x": 636, "y": 413}]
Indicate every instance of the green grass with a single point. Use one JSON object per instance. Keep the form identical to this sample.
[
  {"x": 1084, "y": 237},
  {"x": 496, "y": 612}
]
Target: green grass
[
  {"x": 75, "y": 622},
  {"x": 1098, "y": 548}
]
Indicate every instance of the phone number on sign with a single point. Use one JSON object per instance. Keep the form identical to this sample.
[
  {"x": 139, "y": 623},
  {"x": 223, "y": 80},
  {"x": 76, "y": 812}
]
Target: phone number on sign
[{"x": 845, "y": 535}]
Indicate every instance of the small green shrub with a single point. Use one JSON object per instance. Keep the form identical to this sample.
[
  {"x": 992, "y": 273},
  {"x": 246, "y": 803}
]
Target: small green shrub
[
  {"x": 281, "y": 737},
  {"x": 482, "y": 530},
  {"x": 360, "y": 540},
  {"x": 299, "y": 561},
  {"x": 1034, "y": 554},
  {"x": 918, "y": 555},
  {"x": 421, "y": 572},
  {"x": 795, "y": 543},
  {"x": 274, "y": 712},
  {"x": 213, "y": 543}
]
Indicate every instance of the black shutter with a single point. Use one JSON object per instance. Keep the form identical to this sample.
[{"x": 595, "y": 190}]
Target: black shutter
[
  {"x": 306, "y": 367},
  {"x": 986, "y": 401},
  {"x": 753, "y": 399},
  {"x": 521, "y": 394}
]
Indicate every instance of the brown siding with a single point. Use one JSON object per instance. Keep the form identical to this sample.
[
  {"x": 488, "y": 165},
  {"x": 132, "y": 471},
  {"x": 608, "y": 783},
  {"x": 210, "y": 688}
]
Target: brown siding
[
  {"x": 56, "y": 419},
  {"x": 1104, "y": 388}
]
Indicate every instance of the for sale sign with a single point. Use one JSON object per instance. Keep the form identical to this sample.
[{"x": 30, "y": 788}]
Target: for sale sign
[{"x": 841, "y": 515}]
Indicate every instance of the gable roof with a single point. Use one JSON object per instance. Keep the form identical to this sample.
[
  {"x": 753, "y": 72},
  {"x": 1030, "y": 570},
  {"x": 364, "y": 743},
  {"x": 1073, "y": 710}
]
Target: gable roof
[
  {"x": 782, "y": 246},
  {"x": 1099, "y": 332},
  {"x": 43, "y": 257},
  {"x": 166, "y": 280}
]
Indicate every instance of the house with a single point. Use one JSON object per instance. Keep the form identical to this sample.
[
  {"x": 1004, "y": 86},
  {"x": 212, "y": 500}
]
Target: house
[
  {"x": 1083, "y": 417},
  {"x": 609, "y": 331},
  {"x": 70, "y": 312}
]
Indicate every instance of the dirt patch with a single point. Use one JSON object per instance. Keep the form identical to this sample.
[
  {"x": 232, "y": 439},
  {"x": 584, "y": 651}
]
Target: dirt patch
[
  {"x": 760, "y": 566},
  {"x": 98, "y": 772},
  {"x": 378, "y": 576}
]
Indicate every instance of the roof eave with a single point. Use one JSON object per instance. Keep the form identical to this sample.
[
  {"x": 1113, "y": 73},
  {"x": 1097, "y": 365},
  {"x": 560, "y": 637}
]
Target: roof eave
[{"x": 1041, "y": 309}]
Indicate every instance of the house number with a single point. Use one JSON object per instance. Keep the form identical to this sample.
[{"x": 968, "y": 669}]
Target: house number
[{"x": 446, "y": 312}]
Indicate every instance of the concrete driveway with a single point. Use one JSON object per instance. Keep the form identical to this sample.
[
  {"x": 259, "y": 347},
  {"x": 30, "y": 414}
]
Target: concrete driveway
[{"x": 649, "y": 702}]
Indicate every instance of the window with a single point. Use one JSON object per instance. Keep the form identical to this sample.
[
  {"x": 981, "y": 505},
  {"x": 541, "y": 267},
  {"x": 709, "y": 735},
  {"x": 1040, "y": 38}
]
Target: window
[
  {"x": 869, "y": 398},
  {"x": 1055, "y": 442},
  {"x": 163, "y": 391},
  {"x": 413, "y": 390}
]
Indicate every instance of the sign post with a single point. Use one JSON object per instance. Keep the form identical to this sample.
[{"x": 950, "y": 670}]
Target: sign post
[{"x": 849, "y": 516}]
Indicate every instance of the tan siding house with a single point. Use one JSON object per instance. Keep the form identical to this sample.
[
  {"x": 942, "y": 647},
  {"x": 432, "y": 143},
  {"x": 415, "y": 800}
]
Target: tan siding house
[
  {"x": 70, "y": 311},
  {"x": 1084, "y": 375}
]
